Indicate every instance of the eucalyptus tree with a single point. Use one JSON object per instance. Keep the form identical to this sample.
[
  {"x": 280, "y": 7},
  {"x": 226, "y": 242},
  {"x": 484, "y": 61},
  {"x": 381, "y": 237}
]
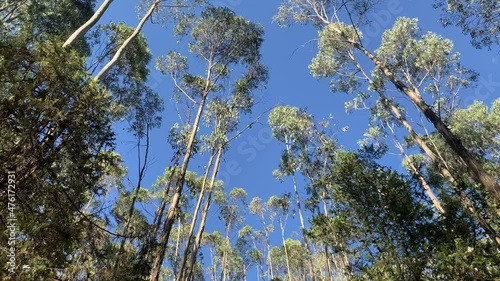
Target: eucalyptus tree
[
  {"x": 162, "y": 191},
  {"x": 414, "y": 64},
  {"x": 390, "y": 233},
  {"x": 221, "y": 40},
  {"x": 299, "y": 262},
  {"x": 155, "y": 6},
  {"x": 457, "y": 183},
  {"x": 227, "y": 264},
  {"x": 279, "y": 208},
  {"x": 85, "y": 27},
  {"x": 478, "y": 127},
  {"x": 479, "y": 19},
  {"x": 213, "y": 241},
  {"x": 259, "y": 208},
  {"x": 223, "y": 115},
  {"x": 295, "y": 129},
  {"x": 232, "y": 214},
  {"x": 248, "y": 247}
]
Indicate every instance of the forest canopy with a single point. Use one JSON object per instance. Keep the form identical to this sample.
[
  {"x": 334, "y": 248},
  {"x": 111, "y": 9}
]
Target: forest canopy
[{"x": 196, "y": 140}]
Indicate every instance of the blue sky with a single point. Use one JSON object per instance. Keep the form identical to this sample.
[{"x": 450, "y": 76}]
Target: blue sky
[{"x": 287, "y": 52}]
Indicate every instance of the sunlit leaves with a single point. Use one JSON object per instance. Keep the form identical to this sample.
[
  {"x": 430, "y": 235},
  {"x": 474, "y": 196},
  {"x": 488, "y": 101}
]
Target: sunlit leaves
[
  {"x": 290, "y": 125},
  {"x": 172, "y": 64},
  {"x": 424, "y": 61},
  {"x": 334, "y": 50},
  {"x": 226, "y": 38},
  {"x": 479, "y": 19}
]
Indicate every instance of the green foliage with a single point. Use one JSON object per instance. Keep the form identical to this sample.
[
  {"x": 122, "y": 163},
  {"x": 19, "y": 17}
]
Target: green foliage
[
  {"x": 291, "y": 125},
  {"x": 424, "y": 61},
  {"x": 233, "y": 38},
  {"x": 126, "y": 80},
  {"x": 479, "y": 19},
  {"x": 381, "y": 221},
  {"x": 44, "y": 19},
  {"x": 363, "y": 220},
  {"x": 56, "y": 135},
  {"x": 334, "y": 56}
]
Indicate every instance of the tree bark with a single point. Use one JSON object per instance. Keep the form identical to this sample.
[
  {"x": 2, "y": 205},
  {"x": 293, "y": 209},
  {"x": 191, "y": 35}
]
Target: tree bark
[
  {"x": 301, "y": 217},
  {"x": 439, "y": 161},
  {"x": 474, "y": 168},
  {"x": 80, "y": 32},
  {"x": 423, "y": 182},
  {"x": 182, "y": 268},
  {"x": 445, "y": 172},
  {"x": 125, "y": 44},
  {"x": 174, "y": 202},
  {"x": 204, "y": 216},
  {"x": 287, "y": 258}
]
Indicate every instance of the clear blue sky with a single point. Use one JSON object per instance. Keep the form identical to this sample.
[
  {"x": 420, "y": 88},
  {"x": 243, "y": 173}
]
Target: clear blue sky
[{"x": 287, "y": 53}]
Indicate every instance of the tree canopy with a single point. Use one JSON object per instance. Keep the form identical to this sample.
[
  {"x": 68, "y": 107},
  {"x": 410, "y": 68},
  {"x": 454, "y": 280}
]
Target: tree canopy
[{"x": 165, "y": 150}]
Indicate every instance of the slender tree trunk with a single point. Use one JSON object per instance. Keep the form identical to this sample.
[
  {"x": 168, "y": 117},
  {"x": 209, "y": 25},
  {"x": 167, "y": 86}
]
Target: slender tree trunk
[
  {"x": 269, "y": 269},
  {"x": 177, "y": 245},
  {"x": 125, "y": 44},
  {"x": 174, "y": 202},
  {"x": 445, "y": 172},
  {"x": 224, "y": 253},
  {"x": 194, "y": 219},
  {"x": 204, "y": 216},
  {"x": 160, "y": 211},
  {"x": 328, "y": 263},
  {"x": 301, "y": 217},
  {"x": 287, "y": 258},
  {"x": 428, "y": 190},
  {"x": 80, "y": 32}
]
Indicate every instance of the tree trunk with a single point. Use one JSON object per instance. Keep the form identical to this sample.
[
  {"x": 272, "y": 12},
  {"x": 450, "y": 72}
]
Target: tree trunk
[
  {"x": 423, "y": 182},
  {"x": 80, "y": 32},
  {"x": 224, "y": 253},
  {"x": 174, "y": 202},
  {"x": 195, "y": 217},
  {"x": 287, "y": 259},
  {"x": 204, "y": 216},
  {"x": 421, "y": 143},
  {"x": 301, "y": 217},
  {"x": 445, "y": 172},
  {"x": 474, "y": 168},
  {"x": 134, "y": 34}
]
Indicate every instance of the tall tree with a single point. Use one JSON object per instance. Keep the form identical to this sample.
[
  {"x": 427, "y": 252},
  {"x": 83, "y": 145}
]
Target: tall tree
[
  {"x": 56, "y": 135},
  {"x": 221, "y": 39},
  {"x": 479, "y": 19},
  {"x": 295, "y": 129},
  {"x": 414, "y": 64}
]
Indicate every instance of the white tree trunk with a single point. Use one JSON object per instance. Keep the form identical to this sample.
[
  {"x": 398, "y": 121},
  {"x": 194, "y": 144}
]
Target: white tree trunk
[
  {"x": 88, "y": 24},
  {"x": 137, "y": 30}
]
